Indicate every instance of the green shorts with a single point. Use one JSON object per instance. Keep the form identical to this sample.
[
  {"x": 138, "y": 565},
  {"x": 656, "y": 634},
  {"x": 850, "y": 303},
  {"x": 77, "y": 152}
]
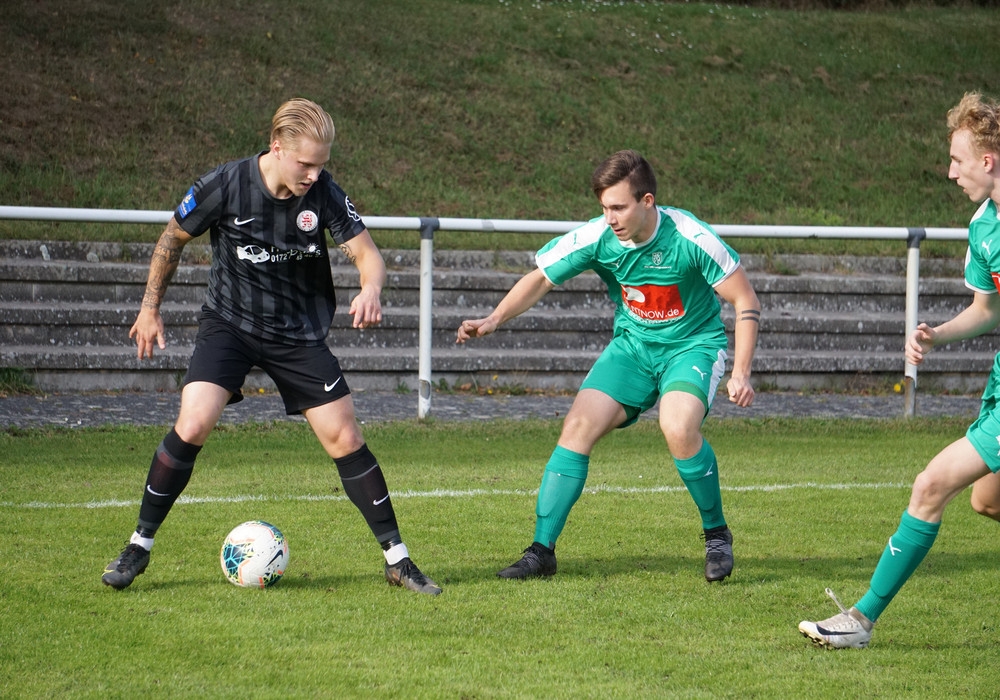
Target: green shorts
[
  {"x": 637, "y": 374},
  {"x": 984, "y": 433}
]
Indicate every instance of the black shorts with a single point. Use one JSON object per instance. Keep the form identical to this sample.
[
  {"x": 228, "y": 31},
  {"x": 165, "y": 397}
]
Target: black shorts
[{"x": 306, "y": 375}]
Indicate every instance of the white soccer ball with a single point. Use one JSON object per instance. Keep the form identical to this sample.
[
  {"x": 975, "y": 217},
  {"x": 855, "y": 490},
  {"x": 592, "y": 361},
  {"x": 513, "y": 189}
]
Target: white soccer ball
[{"x": 254, "y": 555}]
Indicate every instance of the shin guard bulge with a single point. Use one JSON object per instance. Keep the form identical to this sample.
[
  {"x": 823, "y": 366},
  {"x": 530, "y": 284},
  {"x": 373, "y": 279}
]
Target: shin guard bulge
[
  {"x": 700, "y": 475},
  {"x": 168, "y": 475},
  {"x": 365, "y": 485},
  {"x": 562, "y": 483},
  {"x": 901, "y": 557}
]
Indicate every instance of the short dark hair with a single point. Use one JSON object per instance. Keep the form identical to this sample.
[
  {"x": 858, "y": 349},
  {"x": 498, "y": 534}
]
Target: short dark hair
[{"x": 625, "y": 165}]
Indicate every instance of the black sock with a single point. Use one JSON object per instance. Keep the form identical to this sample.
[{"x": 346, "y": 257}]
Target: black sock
[
  {"x": 365, "y": 485},
  {"x": 169, "y": 473}
]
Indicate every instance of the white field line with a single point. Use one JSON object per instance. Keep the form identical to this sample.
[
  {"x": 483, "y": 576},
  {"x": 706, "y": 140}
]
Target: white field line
[{"x": 470, "y": 493}]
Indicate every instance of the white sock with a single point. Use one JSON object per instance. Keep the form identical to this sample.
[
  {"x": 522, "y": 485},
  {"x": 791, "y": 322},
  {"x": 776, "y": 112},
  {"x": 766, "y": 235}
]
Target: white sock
[
  {"x": 144, "y": 542},
  {"x": 396, "y": 554}
]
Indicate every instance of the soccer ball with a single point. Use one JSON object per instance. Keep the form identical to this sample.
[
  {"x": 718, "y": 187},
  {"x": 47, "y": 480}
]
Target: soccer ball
[{"x": 254, "y": 555}]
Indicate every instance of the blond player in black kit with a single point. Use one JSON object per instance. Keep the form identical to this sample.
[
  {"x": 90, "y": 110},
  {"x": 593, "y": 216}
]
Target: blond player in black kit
[{"x": 270, "y": 304}]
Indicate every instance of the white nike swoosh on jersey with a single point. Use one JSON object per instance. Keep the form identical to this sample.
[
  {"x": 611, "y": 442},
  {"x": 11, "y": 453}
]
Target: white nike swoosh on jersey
[
  {"x": 238, "y": 222},
  {"x": 329, "y": 387}
]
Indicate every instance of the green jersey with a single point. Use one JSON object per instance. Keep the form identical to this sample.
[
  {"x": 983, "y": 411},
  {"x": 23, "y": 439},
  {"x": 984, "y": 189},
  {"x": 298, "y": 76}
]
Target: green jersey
[
  {"x": 982, "y": 269},
  {"x": 663, "y": 288},
  {"x": 982, "y": 260}
]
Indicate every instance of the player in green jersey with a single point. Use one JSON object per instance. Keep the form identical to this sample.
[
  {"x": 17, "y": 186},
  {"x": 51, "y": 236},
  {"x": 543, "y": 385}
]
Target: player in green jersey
[
  {"x": 663, "y": 268},
  {"x": 974, "y": 127}
]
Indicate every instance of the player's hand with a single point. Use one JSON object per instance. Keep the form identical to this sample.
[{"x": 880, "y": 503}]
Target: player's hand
[
  {"x": 919, "y": 343},
  {"x": 147, "y": 331},
  {"x": 475, "y": 329},
  {"x": 741, "y": 392},
  {"x": 366, "y": 308}
]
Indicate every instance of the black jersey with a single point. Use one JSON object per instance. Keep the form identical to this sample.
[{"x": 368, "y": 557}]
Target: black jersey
[{"x": 270, "y": 272}]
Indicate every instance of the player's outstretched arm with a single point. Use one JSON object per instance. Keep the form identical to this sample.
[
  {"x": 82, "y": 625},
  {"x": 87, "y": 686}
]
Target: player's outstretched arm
[
  {"x": 148, "y": 327},
  {"x": 981, "y": 316},
  {"x": 366, "y": 307},
  {"x": 736, "y": 290},
  {"x": 522, "y": 296}
]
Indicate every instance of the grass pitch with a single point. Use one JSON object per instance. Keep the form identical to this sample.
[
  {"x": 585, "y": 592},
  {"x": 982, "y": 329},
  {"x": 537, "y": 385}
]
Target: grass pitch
[{"x": 811, "y": 503}]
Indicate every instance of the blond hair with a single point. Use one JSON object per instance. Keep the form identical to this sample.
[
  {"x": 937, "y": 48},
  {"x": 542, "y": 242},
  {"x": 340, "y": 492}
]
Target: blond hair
[
  {"x": 299, "y": 118},
  {"x": 980, "y": 118}
]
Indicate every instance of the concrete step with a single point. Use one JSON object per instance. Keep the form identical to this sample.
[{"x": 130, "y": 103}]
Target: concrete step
[
  {"x": 66, "y": 308},
  {"x": 117, "y": 368},
  {"x": 74, "y": 324},
  {"x": 124, "y": 283}
]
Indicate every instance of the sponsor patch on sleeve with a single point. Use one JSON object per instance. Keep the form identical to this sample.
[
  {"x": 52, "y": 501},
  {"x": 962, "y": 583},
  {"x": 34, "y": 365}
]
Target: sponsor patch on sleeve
[{"x": 187, "y": 204}]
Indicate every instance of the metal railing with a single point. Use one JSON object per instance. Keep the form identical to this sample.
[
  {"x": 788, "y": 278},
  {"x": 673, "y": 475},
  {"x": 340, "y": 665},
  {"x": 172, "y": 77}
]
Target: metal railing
[{"x": 426, "y": 226}]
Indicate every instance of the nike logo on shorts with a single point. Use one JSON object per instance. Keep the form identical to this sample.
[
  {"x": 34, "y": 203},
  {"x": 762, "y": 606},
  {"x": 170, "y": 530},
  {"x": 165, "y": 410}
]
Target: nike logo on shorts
[{"x": 329, "y": 387}]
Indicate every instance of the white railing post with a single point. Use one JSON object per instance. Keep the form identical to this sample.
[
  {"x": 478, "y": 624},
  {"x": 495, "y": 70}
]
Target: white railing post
[
  {"x": 912, "y": 311},
  {"x": 426, "y": 326}
]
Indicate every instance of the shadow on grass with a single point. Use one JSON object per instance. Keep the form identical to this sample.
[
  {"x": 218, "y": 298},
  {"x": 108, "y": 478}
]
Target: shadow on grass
[
  {"x": 749, "y": 570},
  {"x": 848, "y": 572}
]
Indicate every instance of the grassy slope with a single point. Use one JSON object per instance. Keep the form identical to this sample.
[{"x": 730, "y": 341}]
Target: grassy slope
[{"x": 497, "y": 109}]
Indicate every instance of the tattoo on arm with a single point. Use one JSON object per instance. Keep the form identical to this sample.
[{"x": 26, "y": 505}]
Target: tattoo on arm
[
  {"x": 166, "y": 257},
  {"x": 750, "y": 315},
  {"x": 351, "y": 257}
]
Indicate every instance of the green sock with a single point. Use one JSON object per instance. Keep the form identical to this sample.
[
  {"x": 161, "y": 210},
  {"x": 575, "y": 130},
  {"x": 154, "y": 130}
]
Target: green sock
[
  {"x": 701, "y": 476},
  {"x": 562, "y": 484},
  {"x": 906, "y": 549}
]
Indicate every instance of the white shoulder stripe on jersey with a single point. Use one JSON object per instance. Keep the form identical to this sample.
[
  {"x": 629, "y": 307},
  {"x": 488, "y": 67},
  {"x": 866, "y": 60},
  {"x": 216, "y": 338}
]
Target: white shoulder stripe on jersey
[
  {"x": 981, "y": 291},
  {"x": 705, "y": 239},
  {"x": 981, "y": 210},
  {"x": 578, "y": 238}
]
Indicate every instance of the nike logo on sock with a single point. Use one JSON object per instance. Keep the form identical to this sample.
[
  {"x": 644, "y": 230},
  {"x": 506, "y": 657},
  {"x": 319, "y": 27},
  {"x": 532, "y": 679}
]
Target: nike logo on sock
[
  {"x": 381, "y": 500},
  {"x": 893, "y": 550},
  {"x": 154, "y": 493}
]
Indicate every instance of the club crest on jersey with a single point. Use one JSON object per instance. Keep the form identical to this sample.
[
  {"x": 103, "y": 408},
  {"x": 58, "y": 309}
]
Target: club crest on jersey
[
  {"x": 307, "y": 221},
  {"x": 657, "y": 258}
]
